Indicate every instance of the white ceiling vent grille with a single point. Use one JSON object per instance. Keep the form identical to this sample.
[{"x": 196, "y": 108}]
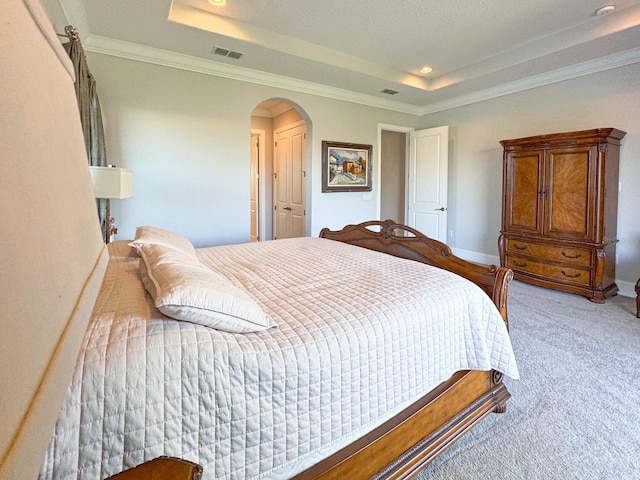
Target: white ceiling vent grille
[
  {"x": 225, "y": 52},
  {"x": 388, "y": 91}
]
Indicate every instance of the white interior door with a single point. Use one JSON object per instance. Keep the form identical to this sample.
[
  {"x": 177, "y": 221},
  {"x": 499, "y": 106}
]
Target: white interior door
[
  {"x": 427, "y": 181},
  {"x": 298, "y": 190},
  {"x": 281, "y": 173},
  {"x": 289, "y": 182}
]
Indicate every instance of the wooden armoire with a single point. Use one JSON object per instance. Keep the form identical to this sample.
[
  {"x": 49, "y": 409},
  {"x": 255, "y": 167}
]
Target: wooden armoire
[{"x": 559, "y": 210}]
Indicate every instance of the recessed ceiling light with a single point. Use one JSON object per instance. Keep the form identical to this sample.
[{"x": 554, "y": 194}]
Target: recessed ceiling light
[
  {"x": 606, "y": 10},
  {"x": 426, "y": 69},
  {"x": 218, "y": 3}
]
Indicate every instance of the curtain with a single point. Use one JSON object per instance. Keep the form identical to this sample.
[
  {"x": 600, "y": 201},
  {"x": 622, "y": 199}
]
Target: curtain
[{"x": 90, "y": 113}]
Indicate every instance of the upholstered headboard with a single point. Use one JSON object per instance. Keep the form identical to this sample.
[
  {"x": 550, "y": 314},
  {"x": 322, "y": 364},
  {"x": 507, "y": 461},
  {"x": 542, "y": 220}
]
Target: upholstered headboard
[{"x": 52, "y": 258}]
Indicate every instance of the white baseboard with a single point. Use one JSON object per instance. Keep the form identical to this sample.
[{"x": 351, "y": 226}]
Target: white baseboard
[
  {"x": 627, "y": 289},
  {"x": 475, "y": 257}
]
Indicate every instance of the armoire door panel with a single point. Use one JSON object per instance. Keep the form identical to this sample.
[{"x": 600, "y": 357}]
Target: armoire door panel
[
  {"x": 523, "y": 198},
  {"x": 569, "y": 206}
]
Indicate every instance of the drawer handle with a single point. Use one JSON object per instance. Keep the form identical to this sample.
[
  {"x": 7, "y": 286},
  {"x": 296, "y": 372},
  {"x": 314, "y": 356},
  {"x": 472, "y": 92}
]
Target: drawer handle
[
  {"x": 569, "y": 276},
  {"x": 519, "y": 264},
  {"x": 571, "y": 256},
  {"x": 520, "y": 247}
]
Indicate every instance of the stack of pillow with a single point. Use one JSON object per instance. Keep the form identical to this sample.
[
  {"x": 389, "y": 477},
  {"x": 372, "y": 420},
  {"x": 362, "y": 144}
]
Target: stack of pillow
[{"x": 184, "y": 288}]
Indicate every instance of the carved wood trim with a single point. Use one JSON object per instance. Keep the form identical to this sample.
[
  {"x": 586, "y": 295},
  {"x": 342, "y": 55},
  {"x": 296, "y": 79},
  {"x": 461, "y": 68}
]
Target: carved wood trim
[
  {"x": 399, "y": 448},
  {"x": 406, "y": 242}
]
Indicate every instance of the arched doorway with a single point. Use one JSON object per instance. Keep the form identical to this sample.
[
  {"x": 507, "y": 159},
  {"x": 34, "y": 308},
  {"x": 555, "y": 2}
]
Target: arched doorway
[{"x": 280, "y": 170}]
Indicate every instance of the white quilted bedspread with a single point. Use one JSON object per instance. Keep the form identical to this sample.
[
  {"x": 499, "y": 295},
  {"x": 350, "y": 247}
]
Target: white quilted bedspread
[{"x": 359, "y": 334}]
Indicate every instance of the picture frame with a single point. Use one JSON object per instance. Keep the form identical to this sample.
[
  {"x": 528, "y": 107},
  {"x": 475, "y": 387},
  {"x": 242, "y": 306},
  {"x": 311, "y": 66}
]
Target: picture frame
[{"x": 346, "y": 167}]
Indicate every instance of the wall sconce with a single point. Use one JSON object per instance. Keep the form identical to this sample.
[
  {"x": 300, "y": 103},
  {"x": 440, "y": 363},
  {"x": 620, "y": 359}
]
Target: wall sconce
[{"x": 111, "y": 182}]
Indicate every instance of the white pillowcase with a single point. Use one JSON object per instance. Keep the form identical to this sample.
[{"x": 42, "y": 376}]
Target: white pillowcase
[
  {"x": 185, "y": 289},
  {"x": 159, "y": 236}
]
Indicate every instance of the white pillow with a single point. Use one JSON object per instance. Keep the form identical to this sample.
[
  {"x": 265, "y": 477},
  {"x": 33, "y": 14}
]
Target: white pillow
[
  {"x": 159, "y": 236},
  {"x": 185, "y": 289}
]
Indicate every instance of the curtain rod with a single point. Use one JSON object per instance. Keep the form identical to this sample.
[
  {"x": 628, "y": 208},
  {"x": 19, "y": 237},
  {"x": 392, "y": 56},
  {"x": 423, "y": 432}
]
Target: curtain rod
[{"x": 70, "y": 32}]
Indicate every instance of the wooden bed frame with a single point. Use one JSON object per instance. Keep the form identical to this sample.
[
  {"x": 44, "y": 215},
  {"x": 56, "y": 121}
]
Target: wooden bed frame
[{"x": 406, "y": 443}]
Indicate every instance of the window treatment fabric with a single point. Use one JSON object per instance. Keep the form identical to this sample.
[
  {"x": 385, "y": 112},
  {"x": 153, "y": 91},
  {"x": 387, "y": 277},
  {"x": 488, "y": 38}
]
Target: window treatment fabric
[{"x": 89, "y": 106}]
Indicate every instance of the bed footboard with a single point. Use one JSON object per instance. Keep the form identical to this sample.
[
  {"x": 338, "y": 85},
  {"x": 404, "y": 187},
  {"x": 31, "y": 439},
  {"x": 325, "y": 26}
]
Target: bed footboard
[
  {"x": 406, "y": 242},
  {"x": 402, "y": 446},
  {"x": 408, "y": 442}
]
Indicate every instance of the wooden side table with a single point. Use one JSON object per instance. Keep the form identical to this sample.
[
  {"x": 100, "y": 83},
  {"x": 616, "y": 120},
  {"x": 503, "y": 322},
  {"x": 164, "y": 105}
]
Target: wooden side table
[
  {"x": 162, "y": 468},
  {"x": 638, "y": 298}
]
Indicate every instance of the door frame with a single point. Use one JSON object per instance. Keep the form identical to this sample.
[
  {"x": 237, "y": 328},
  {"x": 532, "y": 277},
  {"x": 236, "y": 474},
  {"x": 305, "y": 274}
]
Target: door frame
[
  {"x": 377, "y": 178},
  {"x": 262, "y": 183}
]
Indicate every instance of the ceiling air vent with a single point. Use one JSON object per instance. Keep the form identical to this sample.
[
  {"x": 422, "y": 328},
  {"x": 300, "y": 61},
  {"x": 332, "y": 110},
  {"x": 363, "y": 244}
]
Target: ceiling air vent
[
  {"x": 388, "y": 91},
  {"x": 225, "y": 52}
]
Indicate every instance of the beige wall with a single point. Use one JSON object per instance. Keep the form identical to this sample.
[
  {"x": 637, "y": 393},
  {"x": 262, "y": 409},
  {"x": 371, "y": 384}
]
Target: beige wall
[
  {"x": 186, "y": 136},
  {"x": 286, "y": 119},
  {"x": 392, "y": 175},
  {"x": 605, "y": 99}
]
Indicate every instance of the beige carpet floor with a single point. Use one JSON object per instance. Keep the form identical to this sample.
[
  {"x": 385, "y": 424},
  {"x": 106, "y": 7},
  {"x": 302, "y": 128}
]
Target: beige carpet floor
[{"x": 575, "y": 413}]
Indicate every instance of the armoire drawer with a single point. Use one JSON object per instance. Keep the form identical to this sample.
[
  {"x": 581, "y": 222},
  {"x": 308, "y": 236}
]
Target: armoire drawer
[
  {"x": 577, "y": 256},
  {"x": 565, "y": 274}
]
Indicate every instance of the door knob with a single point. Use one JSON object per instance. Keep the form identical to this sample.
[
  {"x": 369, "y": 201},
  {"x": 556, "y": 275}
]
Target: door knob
[{"x": 441, "y": 209}]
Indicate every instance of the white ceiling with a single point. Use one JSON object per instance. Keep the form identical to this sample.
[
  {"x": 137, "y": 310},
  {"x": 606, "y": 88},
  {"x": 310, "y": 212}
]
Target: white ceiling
[{"x": 353, "y": 49}]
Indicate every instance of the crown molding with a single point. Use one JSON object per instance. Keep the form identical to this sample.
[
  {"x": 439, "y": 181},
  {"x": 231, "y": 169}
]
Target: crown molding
[
  {"x": 142, "y": 53},
  {"x": 608, "y": 62},
  {"x": 76, "y": 15}
]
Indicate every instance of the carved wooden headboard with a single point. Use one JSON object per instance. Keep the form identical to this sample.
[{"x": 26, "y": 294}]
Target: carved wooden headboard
[{"x": 52, "y": 258}]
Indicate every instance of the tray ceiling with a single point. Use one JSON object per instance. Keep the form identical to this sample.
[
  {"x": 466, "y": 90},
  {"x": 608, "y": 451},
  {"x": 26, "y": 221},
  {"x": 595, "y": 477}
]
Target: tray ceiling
[{"x": 355, "y": 49}]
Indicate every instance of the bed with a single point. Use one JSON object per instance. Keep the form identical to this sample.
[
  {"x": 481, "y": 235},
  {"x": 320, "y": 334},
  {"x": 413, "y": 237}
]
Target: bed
[
  {"x": 78, "y": 314},
  {"x": 365, "y": 363}
]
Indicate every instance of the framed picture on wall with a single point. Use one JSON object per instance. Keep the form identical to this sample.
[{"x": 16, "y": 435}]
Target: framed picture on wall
[{"x": 346, "y": 167}]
